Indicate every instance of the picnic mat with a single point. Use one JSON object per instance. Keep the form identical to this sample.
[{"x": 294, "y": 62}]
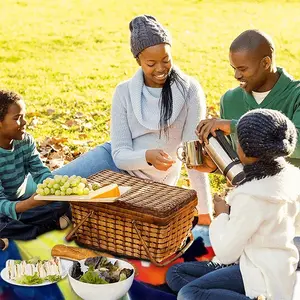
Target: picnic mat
[{"x": 149, "y": 281}]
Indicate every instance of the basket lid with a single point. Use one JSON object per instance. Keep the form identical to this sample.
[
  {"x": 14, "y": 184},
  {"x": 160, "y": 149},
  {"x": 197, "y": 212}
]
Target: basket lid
[{"x": 146, "y": 196}]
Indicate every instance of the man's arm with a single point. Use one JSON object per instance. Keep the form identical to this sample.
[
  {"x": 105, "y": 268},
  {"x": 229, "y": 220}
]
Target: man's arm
[{"x": 210, "y": 126}]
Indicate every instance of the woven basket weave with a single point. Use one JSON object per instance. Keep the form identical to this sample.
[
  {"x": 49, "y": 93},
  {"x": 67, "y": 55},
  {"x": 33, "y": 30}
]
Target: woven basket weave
[{"x": 151, "y": 221}]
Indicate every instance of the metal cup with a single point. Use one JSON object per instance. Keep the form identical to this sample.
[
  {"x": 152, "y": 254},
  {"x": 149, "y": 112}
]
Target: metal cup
[{"x": 191, "y": 153}]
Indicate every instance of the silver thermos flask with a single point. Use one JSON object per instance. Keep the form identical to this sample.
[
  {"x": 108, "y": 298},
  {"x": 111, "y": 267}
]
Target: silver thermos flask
[{"x": 226, "y": 159}]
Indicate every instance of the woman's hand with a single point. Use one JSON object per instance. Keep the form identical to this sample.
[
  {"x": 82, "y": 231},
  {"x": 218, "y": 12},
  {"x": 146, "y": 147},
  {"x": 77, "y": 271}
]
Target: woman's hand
[
  {"x": 29, "y": 203},
  {"x": 220, "y": 205},
  {"x": 159, "y": 159}
]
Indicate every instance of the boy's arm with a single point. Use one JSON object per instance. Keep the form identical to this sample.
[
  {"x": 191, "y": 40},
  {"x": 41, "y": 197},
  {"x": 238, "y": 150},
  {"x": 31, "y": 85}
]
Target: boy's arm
[
  {"x": 36, "y": 167},
  {"x": 7, "y": 207},
  {"x": 12, "y": 208}
]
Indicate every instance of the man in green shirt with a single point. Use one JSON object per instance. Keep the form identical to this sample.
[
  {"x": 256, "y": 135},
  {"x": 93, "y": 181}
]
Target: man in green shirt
[{"x": 262, "y": 85}]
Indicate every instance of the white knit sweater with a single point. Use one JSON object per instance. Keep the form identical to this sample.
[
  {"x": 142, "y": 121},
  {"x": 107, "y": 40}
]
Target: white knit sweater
[
  {"x": 259, "y": 233},
  {"x": 135, "y": 129}
]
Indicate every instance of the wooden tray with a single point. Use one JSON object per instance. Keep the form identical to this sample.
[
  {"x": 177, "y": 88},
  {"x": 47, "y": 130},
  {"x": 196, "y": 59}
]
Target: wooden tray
[{"x": 83, "y": 198}]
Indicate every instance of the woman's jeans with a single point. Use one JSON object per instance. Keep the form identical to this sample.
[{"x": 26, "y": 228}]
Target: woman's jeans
[
  {"x": 95, "y": 160},
  {"x": 206, "y": 281}
]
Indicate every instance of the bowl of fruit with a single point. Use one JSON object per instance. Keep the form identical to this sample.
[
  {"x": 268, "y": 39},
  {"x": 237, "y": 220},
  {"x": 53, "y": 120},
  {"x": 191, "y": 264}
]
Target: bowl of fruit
[
  {"x": 101, "y": 277},
  {"x": 76, "y": 188}
]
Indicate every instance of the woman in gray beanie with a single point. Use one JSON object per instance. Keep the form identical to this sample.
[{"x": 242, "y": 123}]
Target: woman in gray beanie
[
  {"x": 152, "y": 114},
  {"x": 253, "y": 241}
]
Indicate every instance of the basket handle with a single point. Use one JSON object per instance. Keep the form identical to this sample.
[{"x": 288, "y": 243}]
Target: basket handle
[
  {"x": 70, "y": 235},
  {"x": 170, "y": 259}
]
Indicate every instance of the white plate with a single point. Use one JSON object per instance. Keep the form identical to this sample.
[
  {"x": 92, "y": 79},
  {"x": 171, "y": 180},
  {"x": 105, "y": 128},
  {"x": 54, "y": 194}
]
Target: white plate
[
  {"x": 85, "y": 198},
  {"x": 65, "y": 267}
]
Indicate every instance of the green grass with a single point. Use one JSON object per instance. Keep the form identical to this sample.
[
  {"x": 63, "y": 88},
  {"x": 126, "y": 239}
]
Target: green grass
[{"x": 69, "y": 55}]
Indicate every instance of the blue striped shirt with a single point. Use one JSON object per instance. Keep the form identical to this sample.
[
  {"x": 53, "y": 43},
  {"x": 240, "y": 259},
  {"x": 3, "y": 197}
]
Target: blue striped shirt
[{"x": 15, "y": 165}]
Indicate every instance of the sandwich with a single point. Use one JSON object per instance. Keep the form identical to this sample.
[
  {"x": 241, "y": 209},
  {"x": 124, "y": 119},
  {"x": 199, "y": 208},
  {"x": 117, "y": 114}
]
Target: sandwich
[{"x": 19, "y": 270}]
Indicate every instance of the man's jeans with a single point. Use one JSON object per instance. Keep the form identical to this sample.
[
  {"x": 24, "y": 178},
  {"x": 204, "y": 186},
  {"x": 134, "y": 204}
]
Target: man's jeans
[{"x": 206, "y": 281}]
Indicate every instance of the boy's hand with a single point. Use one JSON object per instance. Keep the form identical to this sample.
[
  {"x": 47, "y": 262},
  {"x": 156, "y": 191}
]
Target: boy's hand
[
  {"x": 220, "y": 206},
  {"x": 205, "y": 127},
  {"x": 29, "y": 203},
  {"x": 37, "y": 203},
  {"x": 159, "y": 159}
]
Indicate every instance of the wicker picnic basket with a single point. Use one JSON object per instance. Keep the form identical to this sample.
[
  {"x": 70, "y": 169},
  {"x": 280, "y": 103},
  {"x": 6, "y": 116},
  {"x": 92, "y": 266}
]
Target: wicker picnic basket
[{"x": 151, "y": 221}]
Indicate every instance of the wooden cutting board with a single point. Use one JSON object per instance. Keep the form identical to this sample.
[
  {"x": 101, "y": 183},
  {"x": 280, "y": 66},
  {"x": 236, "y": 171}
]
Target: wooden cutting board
[{"x": 83, "y": 198}]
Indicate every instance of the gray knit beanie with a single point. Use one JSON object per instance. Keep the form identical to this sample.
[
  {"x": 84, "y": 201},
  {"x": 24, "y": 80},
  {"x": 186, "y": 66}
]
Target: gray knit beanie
[
  {"x": 146, "y": 32},
  {"x": 266, "y": 133}
]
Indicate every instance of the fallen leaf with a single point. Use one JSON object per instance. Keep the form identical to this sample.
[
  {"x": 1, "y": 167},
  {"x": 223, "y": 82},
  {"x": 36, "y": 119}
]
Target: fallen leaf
[
  {"x": 79, "y": 143},
  {"x": 56, "y": 155},
  {"x": 71, "y": 123},
  {"x": 86, "y": 126},
  {"x": 78, "y": 115},
  {"x": 54, "y": 152},
  {"x": 65, "y": 127},
  {"x": 56, "y": 163},
  {"x": 59, "y": 140},
  {"x": 50, "y": 111},
  {"x": 33, "y": 114},
  {"x": 82, "y": 135}
]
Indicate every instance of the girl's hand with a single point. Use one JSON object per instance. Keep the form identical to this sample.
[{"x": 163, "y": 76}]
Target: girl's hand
[
  {"x": 220, "y": 206},
  {"x": 159, "y": 159}
]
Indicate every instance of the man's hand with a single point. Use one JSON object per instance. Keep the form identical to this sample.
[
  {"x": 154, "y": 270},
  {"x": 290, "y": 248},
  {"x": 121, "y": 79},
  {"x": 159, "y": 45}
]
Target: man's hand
[
  {"x": 208, "y": 164},
  {"x": 159, "y": 159},
  {"x": 220, "y": 206},
  {"x": 29, "y": 203},
  {"x": 205, "y": 127}
]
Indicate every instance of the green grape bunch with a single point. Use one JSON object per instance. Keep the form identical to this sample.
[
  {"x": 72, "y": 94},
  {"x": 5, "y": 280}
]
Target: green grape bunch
[{"x": 65, "y": 186}]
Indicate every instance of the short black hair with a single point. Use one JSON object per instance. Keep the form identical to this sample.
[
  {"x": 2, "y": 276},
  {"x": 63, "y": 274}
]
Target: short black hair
[
  {"x": 254, "y": 40},
  {"x": 7, "y": 98}
]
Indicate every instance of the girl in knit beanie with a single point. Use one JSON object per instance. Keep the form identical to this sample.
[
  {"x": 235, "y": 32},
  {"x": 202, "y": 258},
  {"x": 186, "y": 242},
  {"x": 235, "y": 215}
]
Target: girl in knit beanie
[{"x": 253, "y": 240}]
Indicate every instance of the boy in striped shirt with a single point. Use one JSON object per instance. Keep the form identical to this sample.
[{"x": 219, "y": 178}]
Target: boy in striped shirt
[{"x": 22, "y": 217}]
